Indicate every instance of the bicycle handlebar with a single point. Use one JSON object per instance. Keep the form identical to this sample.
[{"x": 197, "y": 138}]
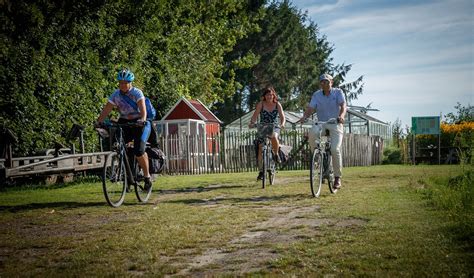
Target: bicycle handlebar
[
  {"x": 112, "y": 124},
  {"x": 330, "y": 121}
]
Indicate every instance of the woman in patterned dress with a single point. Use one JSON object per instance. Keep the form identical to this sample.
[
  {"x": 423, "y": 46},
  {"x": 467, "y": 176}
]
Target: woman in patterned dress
[{"x": 270, "y": 111}]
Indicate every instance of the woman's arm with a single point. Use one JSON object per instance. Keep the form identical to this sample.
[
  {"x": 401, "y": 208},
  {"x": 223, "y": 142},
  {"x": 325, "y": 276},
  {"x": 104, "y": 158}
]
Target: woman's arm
[
  {"x": 142, "y": 108},
  {"x": 255, "y": 114},
  {"x": 282, "y": 115},
  {"x": 105, "y": 112}
]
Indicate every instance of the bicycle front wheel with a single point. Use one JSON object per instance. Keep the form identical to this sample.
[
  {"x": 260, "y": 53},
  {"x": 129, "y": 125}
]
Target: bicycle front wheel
[
  {"x": 143, "y": 193},
  {"x": 316, "y": 173},
  {"x": 330, "y": 174},
  {"x": 265, "y": 165},
  {"x": 114, "y": 179},
  {"x": 271, "y": 169}
]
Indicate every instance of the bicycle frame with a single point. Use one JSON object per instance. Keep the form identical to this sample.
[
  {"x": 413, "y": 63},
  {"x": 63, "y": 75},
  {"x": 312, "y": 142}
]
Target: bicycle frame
[
  {"x": 123, "y": 166},
  {"x": 122, "y": 150},
  {"x": 322, "y": 161},
  {"x": 265, "y": 131}
]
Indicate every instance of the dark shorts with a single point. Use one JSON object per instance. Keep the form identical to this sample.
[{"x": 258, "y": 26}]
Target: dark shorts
[{"x": 139, "y": 135}]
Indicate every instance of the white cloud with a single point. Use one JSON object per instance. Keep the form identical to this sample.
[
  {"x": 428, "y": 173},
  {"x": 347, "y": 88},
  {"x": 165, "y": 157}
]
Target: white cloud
[
  {"x": 417, "y": 58},
  {"x": 427, "y": 18},
  {"x": 423, "y": 94},
  {"x": 315, "y": 9}
]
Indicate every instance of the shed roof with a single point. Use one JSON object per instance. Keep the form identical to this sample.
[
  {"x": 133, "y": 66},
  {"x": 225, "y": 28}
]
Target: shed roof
[{"x": 194, "y": 108}]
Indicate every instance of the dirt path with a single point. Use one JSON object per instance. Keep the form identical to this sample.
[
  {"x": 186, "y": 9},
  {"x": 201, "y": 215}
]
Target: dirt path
[{"x": 252, "y": 251}]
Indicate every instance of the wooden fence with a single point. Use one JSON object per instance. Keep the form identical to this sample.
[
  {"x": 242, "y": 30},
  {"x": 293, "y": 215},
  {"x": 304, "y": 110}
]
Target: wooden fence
[{"x": 235, "y": 152}]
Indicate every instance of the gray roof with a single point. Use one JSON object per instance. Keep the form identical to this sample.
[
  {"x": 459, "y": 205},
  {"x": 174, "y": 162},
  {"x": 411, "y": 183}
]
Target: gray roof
[{"x": 292, "y": 117}]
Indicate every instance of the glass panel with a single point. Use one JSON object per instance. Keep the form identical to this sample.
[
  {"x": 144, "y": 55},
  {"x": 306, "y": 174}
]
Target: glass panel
[
  {"x": 172, "y": 128},
  {"x": 183, "y": 129}
]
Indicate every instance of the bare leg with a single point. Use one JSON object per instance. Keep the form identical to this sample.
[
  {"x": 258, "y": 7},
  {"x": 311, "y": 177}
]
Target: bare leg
[
  {"x": 143, "y": 162},
  {"x": 275, "y": 143}
]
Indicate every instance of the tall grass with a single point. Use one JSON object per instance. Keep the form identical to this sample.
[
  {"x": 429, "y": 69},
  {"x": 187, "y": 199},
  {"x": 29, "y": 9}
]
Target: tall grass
[{"x": 455, "y": 195}]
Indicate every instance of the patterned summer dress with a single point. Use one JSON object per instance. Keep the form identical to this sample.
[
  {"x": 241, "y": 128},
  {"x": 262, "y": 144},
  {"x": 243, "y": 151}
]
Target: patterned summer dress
[{"x": 267, "y": 117}]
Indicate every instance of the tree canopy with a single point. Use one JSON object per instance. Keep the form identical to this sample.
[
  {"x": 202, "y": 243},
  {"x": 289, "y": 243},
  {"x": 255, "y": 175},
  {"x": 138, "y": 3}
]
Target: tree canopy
[
  {"x": 462, "y": 114},
  {"x": 60, "y": 58}
]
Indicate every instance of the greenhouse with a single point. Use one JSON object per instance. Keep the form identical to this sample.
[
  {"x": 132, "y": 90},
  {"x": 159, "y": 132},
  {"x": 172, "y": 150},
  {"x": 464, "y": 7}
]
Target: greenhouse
[{"x": 356, "y": 123}]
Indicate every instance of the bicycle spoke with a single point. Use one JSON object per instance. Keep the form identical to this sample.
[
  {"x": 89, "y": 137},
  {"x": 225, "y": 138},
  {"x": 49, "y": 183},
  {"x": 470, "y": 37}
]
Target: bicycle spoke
[
  {"x": 316, "y": 173},
  {"x": 141, "y": 192},
  {"x": 114, "y": 180}
]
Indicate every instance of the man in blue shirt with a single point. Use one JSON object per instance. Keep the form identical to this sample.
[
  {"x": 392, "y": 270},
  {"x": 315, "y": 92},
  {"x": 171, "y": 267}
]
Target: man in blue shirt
[{"x": 328, "y": 103}]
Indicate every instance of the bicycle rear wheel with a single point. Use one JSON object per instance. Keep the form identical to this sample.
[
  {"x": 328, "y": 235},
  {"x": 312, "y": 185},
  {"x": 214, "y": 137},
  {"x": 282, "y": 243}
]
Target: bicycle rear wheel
[
  {"x": 316, "y": 173},
  {"x": 142, "y": 194},
  {"x": 114, "y": 179}
]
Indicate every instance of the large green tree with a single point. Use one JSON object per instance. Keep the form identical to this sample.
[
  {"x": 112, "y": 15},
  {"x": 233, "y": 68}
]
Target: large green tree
[
  {"x": 289, "y": 53},
  {"x": 59, "y": 58}
]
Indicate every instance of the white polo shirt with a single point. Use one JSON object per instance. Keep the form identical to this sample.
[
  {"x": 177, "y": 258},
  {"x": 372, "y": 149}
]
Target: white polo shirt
[{"x": 327, "y": 107}]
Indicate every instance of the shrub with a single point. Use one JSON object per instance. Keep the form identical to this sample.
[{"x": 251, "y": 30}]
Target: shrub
[{"x": 392, "y": 155}]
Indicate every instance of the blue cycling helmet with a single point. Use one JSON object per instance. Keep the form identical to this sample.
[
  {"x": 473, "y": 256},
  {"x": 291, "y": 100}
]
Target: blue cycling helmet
[{"x": 125, "y": 75}]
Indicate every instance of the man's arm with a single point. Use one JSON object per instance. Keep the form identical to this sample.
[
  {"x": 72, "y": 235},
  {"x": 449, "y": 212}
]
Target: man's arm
[
  {"x": 342, "y": 112},
  {"x": 308, "y": 112}
]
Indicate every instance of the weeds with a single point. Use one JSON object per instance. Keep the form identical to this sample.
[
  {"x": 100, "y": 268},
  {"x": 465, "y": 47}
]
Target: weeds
[{"x": 455, "y": 195}]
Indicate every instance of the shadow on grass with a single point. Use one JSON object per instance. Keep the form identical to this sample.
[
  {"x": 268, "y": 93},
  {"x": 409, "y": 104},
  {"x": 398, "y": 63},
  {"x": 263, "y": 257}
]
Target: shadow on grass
[
  {"x": 233, "y": 200},
  {"x": 64, "y": 205},
  {"x": 195, "y": 189}
]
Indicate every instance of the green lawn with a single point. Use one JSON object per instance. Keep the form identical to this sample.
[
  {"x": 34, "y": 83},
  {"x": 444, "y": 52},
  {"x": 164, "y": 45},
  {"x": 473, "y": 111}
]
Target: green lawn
[{"x": 383, "y": 222}]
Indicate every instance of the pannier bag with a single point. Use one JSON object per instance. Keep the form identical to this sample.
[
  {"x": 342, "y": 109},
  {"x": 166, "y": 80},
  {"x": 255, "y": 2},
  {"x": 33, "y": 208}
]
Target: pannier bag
[
  {"x": 284, "y": 153},
  {"x": 156, "y": 160}
]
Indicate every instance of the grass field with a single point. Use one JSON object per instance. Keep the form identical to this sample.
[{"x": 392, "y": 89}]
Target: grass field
[{"x": 386, "y": 221}]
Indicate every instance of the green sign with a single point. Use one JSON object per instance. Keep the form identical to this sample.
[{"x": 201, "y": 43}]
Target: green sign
[{"x": 425, "y": 125}]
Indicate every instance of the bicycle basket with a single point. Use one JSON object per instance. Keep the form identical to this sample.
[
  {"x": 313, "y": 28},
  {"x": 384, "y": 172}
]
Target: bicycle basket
[{"x": 265, "y": 130}]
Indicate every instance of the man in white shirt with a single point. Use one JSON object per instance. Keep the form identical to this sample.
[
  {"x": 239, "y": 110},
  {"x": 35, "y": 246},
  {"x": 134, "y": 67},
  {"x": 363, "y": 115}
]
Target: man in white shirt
[{"x": 328, "y": 103}]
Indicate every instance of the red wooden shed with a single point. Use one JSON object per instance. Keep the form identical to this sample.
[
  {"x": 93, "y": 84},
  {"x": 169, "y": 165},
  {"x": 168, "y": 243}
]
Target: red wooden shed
[
  {"x": 190, "y": 134},
  {"x": 193, "y": 110}
]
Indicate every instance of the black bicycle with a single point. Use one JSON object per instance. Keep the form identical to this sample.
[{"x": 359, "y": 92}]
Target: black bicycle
[
  {"x": 321, "y": 163},
  {"x": 265, "y": 131},
  {"x": 121, "y": 168}
]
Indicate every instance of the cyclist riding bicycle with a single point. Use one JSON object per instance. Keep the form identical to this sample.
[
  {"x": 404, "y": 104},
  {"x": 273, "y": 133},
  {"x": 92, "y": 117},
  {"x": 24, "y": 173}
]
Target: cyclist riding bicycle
[
  {"x": 129, "y": 113},
  {"x": 270, "y": 111},
  {"x": 328, "y": 103}
]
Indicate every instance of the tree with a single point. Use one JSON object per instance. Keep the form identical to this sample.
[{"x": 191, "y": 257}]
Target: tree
[
  {"x": 287, "y": 53},
  {"x": 59, "y": 59},
  {"x": 463, "y": 114}
]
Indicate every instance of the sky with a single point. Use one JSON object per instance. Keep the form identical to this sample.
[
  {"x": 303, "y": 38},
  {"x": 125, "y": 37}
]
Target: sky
[{"x": 417, "y": 57}]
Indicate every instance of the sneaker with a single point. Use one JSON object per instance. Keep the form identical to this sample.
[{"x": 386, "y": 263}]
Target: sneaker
[
  {"x": 148, "y": 184},
  {"x": 260, "y": 176},
  {"x": 337, "y": 183}
]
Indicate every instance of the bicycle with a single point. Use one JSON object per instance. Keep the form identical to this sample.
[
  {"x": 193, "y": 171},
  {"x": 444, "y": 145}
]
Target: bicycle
[
  {"x": 121, "y": 169},
  {"x": 265, "y": 131},
  {"x": 321, "y": 163}
]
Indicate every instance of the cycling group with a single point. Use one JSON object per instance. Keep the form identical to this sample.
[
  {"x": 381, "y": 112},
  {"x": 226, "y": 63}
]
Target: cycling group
[
  {"x": 128, "y": 164},
  {"x": 325, "y": 136}
]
